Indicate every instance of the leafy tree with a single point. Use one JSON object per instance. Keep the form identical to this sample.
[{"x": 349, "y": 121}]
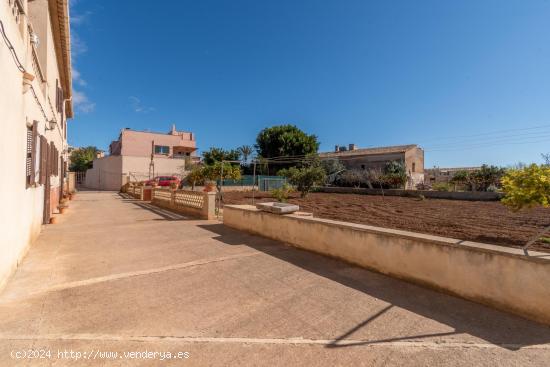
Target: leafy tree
[
  {"x": 221, "y": 171},
  {"x": 395, "y": 174},
  {"x": 245, "y": 151},
  {"x": 219, "y": 154},
  {"x": 196, "y": 176},
  {"x": 333, "y": 168},
  {"x": 82, "y": 158},
  {"x": 486, "y": 177},
  {"x": 352, "y": 178},
  {"x": 305, "y": 177},
  {"x": 285, "y": 140},
  {"x": 527, "y": 187}
]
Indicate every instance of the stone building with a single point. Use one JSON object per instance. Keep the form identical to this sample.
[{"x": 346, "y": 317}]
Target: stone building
[
  {"x": 377, "y": 158},
  {"x": 35, "y": 103}
]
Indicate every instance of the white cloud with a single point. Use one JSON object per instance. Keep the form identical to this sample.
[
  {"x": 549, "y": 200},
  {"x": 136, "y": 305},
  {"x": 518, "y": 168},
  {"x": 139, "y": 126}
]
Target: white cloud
[
  {"x": 138, "y": 107},
  {"x": 82, "y": 103},
  {"x": 77, "y": 78}
]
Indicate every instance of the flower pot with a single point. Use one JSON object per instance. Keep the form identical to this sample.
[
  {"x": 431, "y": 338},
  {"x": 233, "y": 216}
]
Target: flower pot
[
  {"x": 209, "y": 187},
  {"x": 63, "y": 209},
  {"x": 53, "y": 220}
]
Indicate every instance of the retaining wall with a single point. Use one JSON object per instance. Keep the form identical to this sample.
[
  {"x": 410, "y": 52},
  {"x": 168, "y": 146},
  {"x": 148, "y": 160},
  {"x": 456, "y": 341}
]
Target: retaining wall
[{"x": 493, "y": 275}]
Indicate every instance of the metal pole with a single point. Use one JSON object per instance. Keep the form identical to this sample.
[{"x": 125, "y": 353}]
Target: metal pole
[{"x": 254, "y": 182}]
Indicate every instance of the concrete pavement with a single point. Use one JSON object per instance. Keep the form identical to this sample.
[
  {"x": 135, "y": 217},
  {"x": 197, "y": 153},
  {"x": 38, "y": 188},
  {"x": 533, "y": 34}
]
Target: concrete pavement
[{"x": 120, "y": 276}]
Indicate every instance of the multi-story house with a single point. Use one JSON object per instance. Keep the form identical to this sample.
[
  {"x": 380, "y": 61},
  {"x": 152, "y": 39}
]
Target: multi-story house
[
  {"x": 35, "y": 102},
  {"x": 139, "y": 155},
  {"x": 376, "y": 158}
]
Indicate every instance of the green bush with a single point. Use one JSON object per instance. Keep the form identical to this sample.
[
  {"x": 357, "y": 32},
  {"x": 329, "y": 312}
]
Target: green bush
[
  {"x": 442, "y": 187},
  {"x": 283, "y": 193}
]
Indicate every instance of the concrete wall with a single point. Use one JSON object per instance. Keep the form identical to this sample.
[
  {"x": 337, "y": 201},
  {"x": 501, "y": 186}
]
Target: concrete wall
[
  {"x": 106, "y": 174},
  {"x": 458, "y": 195},
  {"x": 22, "y": 207},
  {"x": 109, "y": 173},
  {"x": 496, "y": 276}
]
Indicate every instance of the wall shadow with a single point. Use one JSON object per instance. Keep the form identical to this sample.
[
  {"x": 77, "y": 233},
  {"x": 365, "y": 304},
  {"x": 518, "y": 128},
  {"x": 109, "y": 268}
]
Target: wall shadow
[{"x": 499, "y": 328}]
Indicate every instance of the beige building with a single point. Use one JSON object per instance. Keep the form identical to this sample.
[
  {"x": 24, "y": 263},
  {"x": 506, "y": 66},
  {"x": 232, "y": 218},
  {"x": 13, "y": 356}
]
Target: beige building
[
  {"x": 377, "y": 158},
  {"x": 140, "y": 155},
  {"x": 445, "y": 175},
  {"x": 35, "y": 102}
]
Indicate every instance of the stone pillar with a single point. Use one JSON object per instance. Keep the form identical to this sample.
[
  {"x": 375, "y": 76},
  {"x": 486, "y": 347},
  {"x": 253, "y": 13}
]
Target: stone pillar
[{"x": 209, "y": 205}]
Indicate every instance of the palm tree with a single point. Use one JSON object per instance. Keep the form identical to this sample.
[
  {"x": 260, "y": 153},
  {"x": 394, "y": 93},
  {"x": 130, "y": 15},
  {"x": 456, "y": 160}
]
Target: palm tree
[{"x": 246, "y": 151}]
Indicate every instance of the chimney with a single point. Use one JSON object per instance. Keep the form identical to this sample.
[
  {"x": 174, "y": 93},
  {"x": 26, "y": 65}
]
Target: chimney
[{"x": 352, "y": 147}]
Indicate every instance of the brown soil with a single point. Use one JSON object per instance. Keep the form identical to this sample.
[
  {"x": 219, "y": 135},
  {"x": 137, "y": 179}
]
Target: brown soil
[{"x": 487, "y": 222}]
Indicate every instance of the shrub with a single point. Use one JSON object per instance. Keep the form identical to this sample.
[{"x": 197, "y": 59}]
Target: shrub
[
  {"x": 441, "y": 186},
  {"x": 283, "y": 193},
  {"x": 395, "y": 174},
  {"x": 527, "y": 187},
  {"x": 306, "y": 177}
]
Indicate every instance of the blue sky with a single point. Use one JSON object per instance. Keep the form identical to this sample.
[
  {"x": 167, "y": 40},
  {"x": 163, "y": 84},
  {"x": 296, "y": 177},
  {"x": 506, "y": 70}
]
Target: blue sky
[{"x": 467, "y": 80}]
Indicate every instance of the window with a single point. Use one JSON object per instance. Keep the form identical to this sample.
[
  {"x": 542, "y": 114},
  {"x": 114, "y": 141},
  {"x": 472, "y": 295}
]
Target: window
[
  {"x": 162, "y": 149},
  {"x": 32, "y": 162},
  {"x": 414, "y": 167},
  {"x": 362, "y": 166}
]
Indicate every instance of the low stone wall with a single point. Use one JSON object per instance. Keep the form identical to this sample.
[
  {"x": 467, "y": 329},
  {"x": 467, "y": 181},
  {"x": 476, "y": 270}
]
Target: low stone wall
[
  {"x": 493, "y": 275},
  {"x": 451, "y": 195},
  {"x": 197, "y": 203}
]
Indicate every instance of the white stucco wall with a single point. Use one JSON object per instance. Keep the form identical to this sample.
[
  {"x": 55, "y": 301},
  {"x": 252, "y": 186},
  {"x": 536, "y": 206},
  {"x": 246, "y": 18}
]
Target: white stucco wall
[
  {"x": 108, "y": 172},
  {"x": 21, "y": 212}
]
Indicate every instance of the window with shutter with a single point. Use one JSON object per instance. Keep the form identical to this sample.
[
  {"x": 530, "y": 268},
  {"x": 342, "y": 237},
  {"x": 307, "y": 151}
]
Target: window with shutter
[
  {"x": 43, "y": 159},
  {"x": 28, "y": 164}
]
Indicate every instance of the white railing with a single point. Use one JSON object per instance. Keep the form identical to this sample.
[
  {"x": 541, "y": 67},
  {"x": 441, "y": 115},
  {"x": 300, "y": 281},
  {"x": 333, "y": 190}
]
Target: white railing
[
  {"x": 164, "y": 196},
  {"x": 192, "y": 199},
  {"x": 192, "y": 202}
]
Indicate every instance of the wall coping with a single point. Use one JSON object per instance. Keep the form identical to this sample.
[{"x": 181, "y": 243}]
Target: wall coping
[{"x": 438, "y": 240}]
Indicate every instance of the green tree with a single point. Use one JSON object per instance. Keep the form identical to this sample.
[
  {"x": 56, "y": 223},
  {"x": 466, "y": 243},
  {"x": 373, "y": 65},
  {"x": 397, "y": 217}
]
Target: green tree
[
  {"x": 82, "y": 158},
  {"x": 246, "y": 151},
  {"x": 304, "y": 178},
  {"x": 219, "y": 154},
  {"x": 221, "y": 171},
  {"x": 195, "y": 176},
  {"x": 527, "y": 187},
  {"x": 395, "y": 174},
  {"x": 486, "y": 177},
  {"x": 285, "y": 140}
]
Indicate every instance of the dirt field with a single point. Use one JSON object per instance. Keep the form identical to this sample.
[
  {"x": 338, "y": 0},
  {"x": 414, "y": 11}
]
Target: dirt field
[{"x": 487, "y": 222}]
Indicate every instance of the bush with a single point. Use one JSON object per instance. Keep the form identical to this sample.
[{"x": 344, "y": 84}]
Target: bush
[
  {"x": 527, "y": 187},
  {"x": 283, "y": 193},
  {"x": 442, "y": 187},
  {"x": 306, "y": 177}
]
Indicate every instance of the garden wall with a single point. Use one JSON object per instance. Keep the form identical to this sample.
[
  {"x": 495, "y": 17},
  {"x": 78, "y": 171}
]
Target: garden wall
[
  {"x": 496, "y": 276},
  {"x": 451, "y": 195}
]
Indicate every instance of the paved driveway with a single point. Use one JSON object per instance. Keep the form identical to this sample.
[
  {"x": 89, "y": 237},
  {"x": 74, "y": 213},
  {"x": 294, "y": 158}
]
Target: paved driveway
[{"x": 119, "y": 276}]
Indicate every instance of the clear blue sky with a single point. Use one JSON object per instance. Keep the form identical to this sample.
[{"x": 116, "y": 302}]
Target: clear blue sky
[{"x": 467, "y": 80}]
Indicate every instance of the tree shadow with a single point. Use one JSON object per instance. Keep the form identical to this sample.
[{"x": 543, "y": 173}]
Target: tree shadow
[{"x": 499, "y": 328}]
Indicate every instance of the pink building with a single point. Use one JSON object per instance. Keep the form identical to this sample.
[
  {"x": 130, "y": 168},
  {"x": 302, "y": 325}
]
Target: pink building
[
  {"x": 141, "y": 155},
  {"x": 175, "y": 144}
]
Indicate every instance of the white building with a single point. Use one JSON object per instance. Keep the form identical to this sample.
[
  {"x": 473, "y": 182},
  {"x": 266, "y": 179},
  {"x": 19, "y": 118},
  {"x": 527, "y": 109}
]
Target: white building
[{"x": 35, "y": 102}]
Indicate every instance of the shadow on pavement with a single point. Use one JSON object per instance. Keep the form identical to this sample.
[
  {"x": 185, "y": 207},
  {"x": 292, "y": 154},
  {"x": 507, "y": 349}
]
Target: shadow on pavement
[{"x": 500, "y": 328}]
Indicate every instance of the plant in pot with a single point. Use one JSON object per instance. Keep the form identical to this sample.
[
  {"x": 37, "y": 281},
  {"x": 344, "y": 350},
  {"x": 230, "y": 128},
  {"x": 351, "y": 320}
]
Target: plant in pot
[{"x": 209, "y": 186}]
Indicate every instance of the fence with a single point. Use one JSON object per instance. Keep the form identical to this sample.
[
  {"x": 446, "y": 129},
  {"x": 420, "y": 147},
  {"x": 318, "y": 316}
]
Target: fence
[
  {"x": 197, "y": 203},
  {"x": 264, "y": 183}
]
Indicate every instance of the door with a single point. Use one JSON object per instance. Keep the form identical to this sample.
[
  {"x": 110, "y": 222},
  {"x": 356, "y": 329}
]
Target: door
[{"x": 46, "y": 167}]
